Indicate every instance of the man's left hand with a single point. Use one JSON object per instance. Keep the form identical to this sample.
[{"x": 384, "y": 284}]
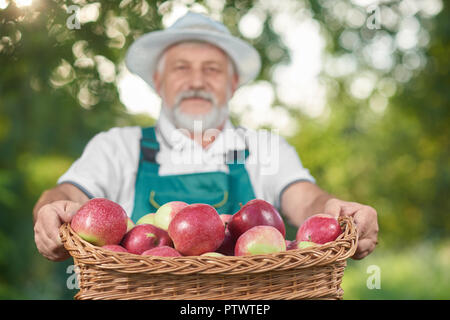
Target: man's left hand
[{"x": 365, "y": 218}]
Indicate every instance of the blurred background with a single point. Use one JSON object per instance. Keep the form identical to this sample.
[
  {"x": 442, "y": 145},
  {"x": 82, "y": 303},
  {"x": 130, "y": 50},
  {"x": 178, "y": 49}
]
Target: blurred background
[{"x": 360, "y": 88}]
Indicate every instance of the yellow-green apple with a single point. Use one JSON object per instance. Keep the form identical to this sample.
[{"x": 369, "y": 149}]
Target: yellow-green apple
[
  {"x": 163, "y": 251},
  {"x": 114, "y": 247},
  {"x": 260, "y": 240},
  {"x": 256, "y": 212},
  {"x": 305, "y": 244},
  {"x": 100, "y": 221},
  {"x": 130, "y": 224},
  {"x": 144, "y": 237},
  {"x": 166, "y": 212},
  {"x": 227, "y": 246},
  {"x": 319, "y": 228},
  {"x": 196, "y": 229},
  {"x": 149, "y": 218},
  {"x": 212, "y": 254}
]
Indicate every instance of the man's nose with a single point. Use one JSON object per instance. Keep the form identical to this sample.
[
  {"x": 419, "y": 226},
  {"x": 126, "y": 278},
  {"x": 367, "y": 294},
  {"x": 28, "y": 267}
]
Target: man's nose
[{"x": 197, "y": 80}]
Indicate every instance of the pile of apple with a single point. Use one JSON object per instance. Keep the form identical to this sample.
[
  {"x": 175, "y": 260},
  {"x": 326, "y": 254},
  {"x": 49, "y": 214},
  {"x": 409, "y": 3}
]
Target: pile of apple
[{"x": 179, "y": 229}]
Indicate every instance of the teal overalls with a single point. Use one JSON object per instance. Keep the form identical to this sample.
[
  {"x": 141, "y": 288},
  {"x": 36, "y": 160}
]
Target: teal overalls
[{"x": 224, "y": 191}]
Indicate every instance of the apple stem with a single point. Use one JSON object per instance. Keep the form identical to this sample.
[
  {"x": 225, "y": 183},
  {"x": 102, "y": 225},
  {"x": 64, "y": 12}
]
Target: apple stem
[{"x": 240, "y": 205}]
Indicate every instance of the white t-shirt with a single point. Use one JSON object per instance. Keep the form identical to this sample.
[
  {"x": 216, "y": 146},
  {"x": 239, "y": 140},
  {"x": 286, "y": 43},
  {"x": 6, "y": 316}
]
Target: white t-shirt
[{"x": 109, "y": 163}]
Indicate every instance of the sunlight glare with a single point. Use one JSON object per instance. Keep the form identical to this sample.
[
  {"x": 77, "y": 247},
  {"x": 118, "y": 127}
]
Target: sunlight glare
[{"x": 23, "y": 3}]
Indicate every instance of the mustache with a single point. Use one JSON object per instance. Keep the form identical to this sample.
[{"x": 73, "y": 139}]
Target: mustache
[{"x": 195, "y": 94}]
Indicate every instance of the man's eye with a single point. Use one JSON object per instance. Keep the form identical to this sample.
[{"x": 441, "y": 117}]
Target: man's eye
[
  {"x": 213, "y": 70},
  {"x": 181, "y": 68}
]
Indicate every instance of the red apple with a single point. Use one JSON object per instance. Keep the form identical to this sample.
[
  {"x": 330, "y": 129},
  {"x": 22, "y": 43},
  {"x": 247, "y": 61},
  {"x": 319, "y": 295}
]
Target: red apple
[
  {"x": 166, "y": 212},
  {"x": 114, "y": 247},
  {"x": 196, "y": 229},
  {"x": 228, "y": 243},
  {"x": 100, "y": 221},
  {"x": 254, "y": 213},
  {"x": 226, "y": 218},
  {"x": 163, "y": 251},
  {"x": 320, "y": 228},
  {"x": 260, "y": 240},
  {"x": 291, "y": 244},
  {"x": 144, "y": 237},
  {"x": 227, "y": 246}
]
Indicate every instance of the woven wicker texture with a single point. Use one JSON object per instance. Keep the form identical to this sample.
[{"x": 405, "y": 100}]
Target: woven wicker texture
[{"x": 311, "y": 273}]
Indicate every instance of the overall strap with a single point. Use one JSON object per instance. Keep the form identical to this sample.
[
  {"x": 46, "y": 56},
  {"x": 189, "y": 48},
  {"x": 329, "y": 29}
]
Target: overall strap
[
  {"x": 240, "y": 186},
  {"x": 149, "y": 145},
  {"x": 236, "y": 158}
]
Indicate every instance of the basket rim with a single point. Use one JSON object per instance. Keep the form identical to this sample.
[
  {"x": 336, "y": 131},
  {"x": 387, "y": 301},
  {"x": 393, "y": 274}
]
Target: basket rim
[{"x": 85, "y": 253}]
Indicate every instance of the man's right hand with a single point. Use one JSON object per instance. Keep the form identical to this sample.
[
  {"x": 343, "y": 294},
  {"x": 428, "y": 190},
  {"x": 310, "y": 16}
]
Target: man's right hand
[{"x": 49, "y": 219}]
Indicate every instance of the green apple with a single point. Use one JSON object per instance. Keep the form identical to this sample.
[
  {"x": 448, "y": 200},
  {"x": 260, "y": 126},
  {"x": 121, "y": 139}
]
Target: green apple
[
  {"x": 305, "y": 244},
  {"x": 212, "y": 254},
  {"x": 147, "y": 219},
  {"x": 130, "y": 224}
]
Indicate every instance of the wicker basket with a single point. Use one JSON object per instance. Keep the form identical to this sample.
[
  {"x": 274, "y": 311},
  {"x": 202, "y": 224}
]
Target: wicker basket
[{"x": 311, "y": 273}]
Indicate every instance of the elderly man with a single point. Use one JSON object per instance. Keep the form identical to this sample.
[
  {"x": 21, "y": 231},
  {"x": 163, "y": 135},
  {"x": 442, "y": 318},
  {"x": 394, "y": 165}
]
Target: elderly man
[{"x": 194, "y": 153}]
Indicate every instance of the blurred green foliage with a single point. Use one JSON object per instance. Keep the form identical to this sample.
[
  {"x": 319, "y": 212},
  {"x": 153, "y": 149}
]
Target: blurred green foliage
[
  {"x": 418, "y": 272},
  {"x": 54, "y": 98}
]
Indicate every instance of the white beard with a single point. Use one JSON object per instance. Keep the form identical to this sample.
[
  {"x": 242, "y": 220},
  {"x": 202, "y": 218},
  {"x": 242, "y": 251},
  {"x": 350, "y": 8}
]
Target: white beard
[{"x": 196, "y": 122}]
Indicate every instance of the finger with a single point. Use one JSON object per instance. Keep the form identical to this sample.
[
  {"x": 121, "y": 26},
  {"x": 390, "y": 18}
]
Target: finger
[
  {"x": 360, "y": 255},
  {"x": 348, "y": 210},
  {"x": 365, "y": 250},
  {"x": 48, "y": 241},
  {"x": 361, "y": 219},
  {"x": 58, "y": 213},
  {"x": 45, "y": 245},
  {"x": 333, "y": 207},
  {"x": 40, "y": 240},
  {"x": 351, "y": 204},
  {"x": 52, "y": 225},
  {"x": 365, "y": 247},
  {"x": 66, "y": 209},
  {"x": 70, "y": 209},
  {"x": 52, "y": 249},
  {"x": 366, "y": 221},
  {"x": 360, "y": 225},
  {"x": 60, "y": 254}
]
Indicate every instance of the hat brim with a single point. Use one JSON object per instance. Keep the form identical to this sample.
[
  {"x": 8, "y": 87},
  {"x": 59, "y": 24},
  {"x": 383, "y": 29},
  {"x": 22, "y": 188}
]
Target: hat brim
[{"x": 143, "y": 54}]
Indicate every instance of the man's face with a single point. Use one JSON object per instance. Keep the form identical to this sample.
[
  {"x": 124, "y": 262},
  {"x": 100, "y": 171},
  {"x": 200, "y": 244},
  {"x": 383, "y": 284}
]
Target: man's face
[{"x": 200, "y": 67}]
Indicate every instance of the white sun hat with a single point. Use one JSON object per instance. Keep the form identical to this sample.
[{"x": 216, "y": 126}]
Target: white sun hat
[{"x": 143, "y": 55}]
